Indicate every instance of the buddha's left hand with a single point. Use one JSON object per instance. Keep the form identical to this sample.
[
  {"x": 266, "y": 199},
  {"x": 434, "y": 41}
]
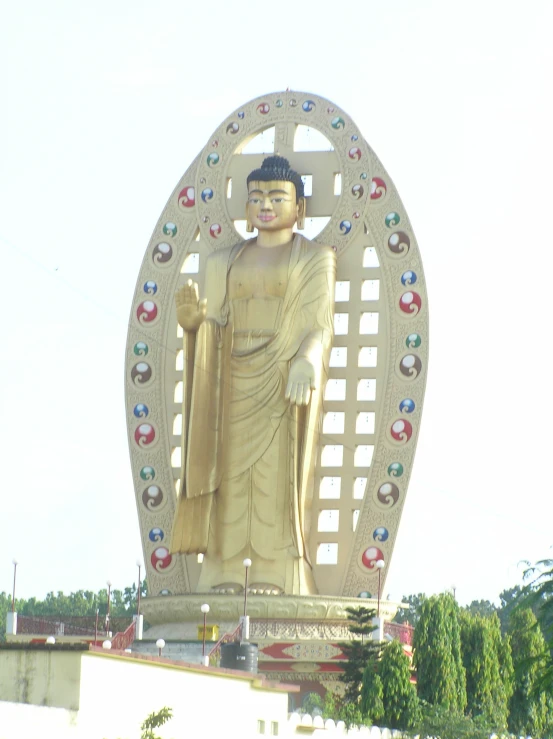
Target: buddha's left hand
[{"x": 301, "y": 381}]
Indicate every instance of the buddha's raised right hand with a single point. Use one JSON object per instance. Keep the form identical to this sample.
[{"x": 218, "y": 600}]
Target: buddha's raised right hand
[{"x": 190, "y": 309}]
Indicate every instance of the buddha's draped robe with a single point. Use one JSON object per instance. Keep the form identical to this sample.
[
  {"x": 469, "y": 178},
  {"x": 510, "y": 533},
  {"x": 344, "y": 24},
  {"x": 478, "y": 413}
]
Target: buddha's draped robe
[{"x": 249, "y": 456}]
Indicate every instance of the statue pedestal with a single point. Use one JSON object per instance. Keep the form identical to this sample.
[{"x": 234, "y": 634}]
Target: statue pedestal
[{"x": 298, "y": 636}]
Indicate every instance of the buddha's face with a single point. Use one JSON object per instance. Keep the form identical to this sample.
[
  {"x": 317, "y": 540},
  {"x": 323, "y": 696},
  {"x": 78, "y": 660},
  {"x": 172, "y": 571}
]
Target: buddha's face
[{"x": 272, "y": 205}]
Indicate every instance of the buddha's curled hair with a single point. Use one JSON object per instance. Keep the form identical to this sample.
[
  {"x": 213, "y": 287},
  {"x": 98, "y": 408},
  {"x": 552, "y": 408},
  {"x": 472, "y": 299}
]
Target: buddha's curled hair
[{"x": 277, "y": 168}]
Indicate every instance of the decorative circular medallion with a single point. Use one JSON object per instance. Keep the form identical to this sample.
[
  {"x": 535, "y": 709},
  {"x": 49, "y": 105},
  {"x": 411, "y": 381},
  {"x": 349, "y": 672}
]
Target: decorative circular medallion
[
  {"x": 140, "y": 349},
  {"x": 161, "y": 559},
  {"x": 147, "y": 473},
  {"x": 410, "y": 366},
  {"x": 410, "y": 302},
  {"x": 215, "y": 230},
  {"x": 399, "y": 243},
  {"x": 355, "y": 153},
  {"x": 233, "y": 128},
  {"x": 364, "y": 594},
  {"x": 401, "y": 430},
  {"x": 395, "y": 469},
  {"x": 152, "y": 497},
  {"x": 212, "y": 159},
  {"x": 388, "y": 494},
  {"x": 140, "y": 410},
  {"x": 345, "y": 227},
  {"x": 146, "y": 312},
  {"x": 380, "y": 534},
  {"x": 263, "y": 108},
  {"x": 141, "y": 373},
  {"x": 156, "y": 535},
  {"x": 170, "y": 229},
  {"x": 145, "y": 435},
  {"x": 407, "y": 405},
  {"x": 308, "y": 106},
  {"x": 150, "y": 287},
  {"x": 413, "y": 341},
  {"x": 165, "y": 592},
  {"x": 392, "y": 219},
  {"x": 187, "y": 197},
  {"x": 357, "y": 191},
  {"x": 370, "y": 557},
  {"x": 378, "y": 188},
  {"x": 162, "y": 253},
  {"x": 408, "y": 278},
  {"x": 206, "y": 194}
]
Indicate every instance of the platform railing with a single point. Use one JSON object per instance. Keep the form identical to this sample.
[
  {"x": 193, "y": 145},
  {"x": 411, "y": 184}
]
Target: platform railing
[{"x": 225, "y": 639}]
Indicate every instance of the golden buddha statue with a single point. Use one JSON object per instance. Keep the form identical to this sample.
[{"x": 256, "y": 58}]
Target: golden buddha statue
[{"x": 256, "y": 352}]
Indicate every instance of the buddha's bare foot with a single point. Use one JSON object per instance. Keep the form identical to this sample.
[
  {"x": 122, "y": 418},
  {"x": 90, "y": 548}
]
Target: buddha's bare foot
[
  {"x": 264, "y": 588},
  {"x": 228, "y": 588}
]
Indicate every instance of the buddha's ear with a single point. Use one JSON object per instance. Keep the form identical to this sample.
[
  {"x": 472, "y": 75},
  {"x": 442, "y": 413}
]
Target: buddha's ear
[{"x": 300, "y": 223}]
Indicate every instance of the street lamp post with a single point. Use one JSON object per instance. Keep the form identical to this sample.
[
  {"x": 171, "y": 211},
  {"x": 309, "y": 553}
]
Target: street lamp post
[
  {"x": 14, "y": 577},
  {"x": 160, "y": 643},
  {"x": 108, "y": 615},
  {"x": 138, "y": 590},
  {"x": 205, "y": 610},
  {"x": 247, "y": 564},
  {"x": 380, "y": 564}
]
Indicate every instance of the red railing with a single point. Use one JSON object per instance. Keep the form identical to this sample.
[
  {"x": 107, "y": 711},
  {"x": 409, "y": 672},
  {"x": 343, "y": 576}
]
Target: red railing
[
  {"x": 402, "y": 632},
  {"x": 225, "y": 639},
  {"x": 124, "y": 639},
  {"x": 79, "y": 626}
]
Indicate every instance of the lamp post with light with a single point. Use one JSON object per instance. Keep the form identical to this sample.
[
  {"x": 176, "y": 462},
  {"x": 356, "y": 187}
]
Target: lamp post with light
[
  {"x": 245, "y": 633},
  {"x": 380, "y": 564},
  {"x": 160, "y": 643},
  {"x": 139, "y": 565},
  {"x": 108, "y": 614},
  {"x": 205, "y": 610},
  {"x": 14, "y": 577}
]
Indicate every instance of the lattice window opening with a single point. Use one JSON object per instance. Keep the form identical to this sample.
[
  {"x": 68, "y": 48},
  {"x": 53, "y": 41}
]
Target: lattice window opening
[
  {"x": 359, "y": 487},
  {"x": 341, "y": 324},
  {"x": 338, "y": 356},
  {"x": 341, "y": 291},
  {"x": 307, "y": 180},
  {"x": 262, "y": 143},
  {"x": 335, "y": 390},
  {"x": 307, "y": 138},
  {"x": 328, "y": 521},
  {"x": 176, "y": 457},
  {"x": 368, "y": 323},
  {"x": 355, "y": 519},
  {"x": 332, "y": 455},
  {"x": 338, "y": 183},
  {"x": 365, "y": 422},
  {"x": 368, "y": 356},
  {"x": 179, "y": 360},
  {"x": 327, "y": 554},
  {"x": 177, "y": 425},
  {"x": 334, "y": 422},
  {"x": 330, "y": 488},
  {"x": 313, "y": 226},
  {"x": 366, "y": 389},
  {"x": 229, "y": 188},
  {"x": 191, "y": 264},
  {"x": 370, "y": 257},
  {"x": 179, "y": 390},
  {"x": 370, "y": 290},
  {"x": 180, "y": 331},
  {"x": 363, "y": 456},
  {"x": 177, "y": 486}
]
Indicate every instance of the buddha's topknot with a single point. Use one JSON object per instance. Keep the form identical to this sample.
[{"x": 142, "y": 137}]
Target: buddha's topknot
[{"x": 277, "y": 168}]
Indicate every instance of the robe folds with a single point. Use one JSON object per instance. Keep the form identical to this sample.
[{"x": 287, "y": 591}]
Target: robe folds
[{"x": 248, "y": 455}]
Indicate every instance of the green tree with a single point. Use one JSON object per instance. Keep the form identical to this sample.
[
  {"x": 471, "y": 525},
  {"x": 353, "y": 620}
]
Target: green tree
[
  {"x": 154, "y": 721},
  {"x": 371, "y": 705},
  {"x": 437, "y": 658},
  {"x": 531, "y": 709},
  {"x": 488, "y": 692},
  {"x": 400, "y": 702},
  {"x": 481, "y": 608},
  {"x": 439, "y": 722},
  {"x": 508, "y": 600},
  {"x": 358, "y": 652},
  {"x": 410, "y": 615}
]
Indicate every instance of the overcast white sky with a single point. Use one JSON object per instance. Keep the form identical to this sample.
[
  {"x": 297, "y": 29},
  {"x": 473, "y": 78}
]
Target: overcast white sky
[{"x": 103, "y": 107}]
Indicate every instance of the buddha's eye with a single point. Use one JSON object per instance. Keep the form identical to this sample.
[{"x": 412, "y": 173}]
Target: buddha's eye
[{"x": 277, "y": 200}]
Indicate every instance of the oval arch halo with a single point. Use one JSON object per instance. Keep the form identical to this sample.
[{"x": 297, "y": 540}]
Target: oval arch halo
[{"x": 379, "y": 361}]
